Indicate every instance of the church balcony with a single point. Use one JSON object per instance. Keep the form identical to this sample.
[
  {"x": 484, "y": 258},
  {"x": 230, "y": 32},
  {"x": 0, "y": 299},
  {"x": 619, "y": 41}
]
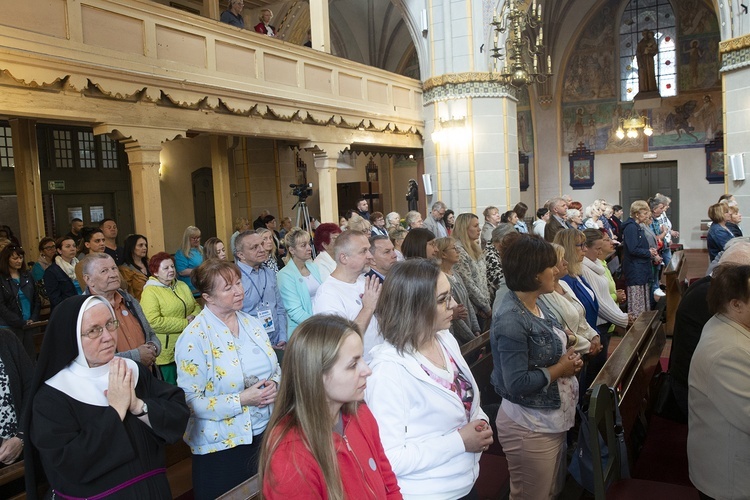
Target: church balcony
[{"x": 75, "y": 58}]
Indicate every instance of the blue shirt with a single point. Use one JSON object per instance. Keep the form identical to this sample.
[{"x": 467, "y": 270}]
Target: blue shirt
[
  {"x": 25, "y": 304},
  {"x": 181, "y": 262},
  {"x": 262, "y": 292},
  {"x": 229, "y": 18}
]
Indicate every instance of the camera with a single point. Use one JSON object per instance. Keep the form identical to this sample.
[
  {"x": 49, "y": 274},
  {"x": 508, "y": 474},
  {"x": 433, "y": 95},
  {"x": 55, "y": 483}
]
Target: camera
[{"x": 301, "y": 191}]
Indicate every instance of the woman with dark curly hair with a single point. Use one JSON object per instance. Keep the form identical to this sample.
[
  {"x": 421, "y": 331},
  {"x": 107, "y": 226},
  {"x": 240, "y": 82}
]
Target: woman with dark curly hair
[
  {"x": 135, "y": 264},
  {"x": 19, "y": 302}
]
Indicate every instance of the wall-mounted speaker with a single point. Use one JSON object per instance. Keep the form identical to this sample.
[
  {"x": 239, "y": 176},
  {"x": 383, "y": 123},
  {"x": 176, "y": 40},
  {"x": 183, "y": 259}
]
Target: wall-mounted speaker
[
  {"x": 427, "y": 181},
  {"x": 737, "y": 166}
]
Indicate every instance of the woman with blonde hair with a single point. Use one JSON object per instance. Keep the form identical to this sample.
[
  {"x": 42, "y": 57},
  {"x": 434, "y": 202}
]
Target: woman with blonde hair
[
  {"x": 471, "y": 265},
  {"x": 574, "y": 243},
  {"x": 569, "y": 312},
  {"x": 398, "y": 235},
  {"x": 214, "y": 249},
  {"x": 718, "y": 233},
  {"x": 358, "y": 223},
  {"x": 188, "y": 256},
  {"x": 320, "y": 437},
  {"x": 636, "y": 258},
  {"x": 299, "y": 280},
  {"x": 273, "y": 259},
  {"x": 464, "y": 325}
]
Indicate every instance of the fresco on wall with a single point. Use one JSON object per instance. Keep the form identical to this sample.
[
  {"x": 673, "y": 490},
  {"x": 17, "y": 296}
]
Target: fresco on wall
[
  {"x": 590, "y": 70},
  {"x": 524, "y": 125},
  {"x": 594, "y": 124},
  {"x": 591, "y": 111},
  {"x": 686, "y": 121},
  {"x": 698, "y": 35}
]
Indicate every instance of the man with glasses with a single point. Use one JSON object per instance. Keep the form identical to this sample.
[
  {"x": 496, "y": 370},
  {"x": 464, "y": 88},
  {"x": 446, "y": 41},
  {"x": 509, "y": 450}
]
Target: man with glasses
[
  {"x": 136, "y": 339},
  {"x": 434, "y": 221}
]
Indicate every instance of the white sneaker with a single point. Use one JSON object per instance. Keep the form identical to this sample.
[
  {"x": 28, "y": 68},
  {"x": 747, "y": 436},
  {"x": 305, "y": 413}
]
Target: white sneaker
[{"x": 658, "y": 294}]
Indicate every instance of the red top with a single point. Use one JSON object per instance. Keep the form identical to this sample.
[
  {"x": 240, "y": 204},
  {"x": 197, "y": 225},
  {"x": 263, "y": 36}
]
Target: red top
[
  {"x": 365, "y": 470},
  {"x": 261, "y": 28}
]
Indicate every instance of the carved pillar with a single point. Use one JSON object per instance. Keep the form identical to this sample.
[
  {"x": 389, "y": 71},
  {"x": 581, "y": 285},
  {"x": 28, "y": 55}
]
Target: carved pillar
[
  {"x": 28, "y": 184},
  {"x": 143, "y": 147},
  {"x": 325, "y": 157},
  {"x": 222, "y": 191},
  {"x": 320, "y": 27}
]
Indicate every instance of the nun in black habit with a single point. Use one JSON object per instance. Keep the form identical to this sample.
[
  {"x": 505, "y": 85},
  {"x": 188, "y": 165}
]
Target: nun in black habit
[{"x": 98, "y": 423}]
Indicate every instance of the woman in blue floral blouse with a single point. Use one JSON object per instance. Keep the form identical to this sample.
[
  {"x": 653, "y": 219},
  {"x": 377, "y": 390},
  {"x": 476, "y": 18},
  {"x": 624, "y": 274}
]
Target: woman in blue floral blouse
[{"x": 229, "y": 372}]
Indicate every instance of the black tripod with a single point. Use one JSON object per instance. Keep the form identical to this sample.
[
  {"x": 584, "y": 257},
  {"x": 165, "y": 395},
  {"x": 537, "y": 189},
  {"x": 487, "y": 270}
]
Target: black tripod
[{"x": 303, "y": 220}]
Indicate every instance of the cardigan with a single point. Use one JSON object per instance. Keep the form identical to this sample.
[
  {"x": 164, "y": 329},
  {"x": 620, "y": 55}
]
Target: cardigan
[
  {"x": 294, "y": 294},
  {"x": 166, "y": 309},
  {"x": 583, "y": 292},
  {"x": 210, "y": 373}
]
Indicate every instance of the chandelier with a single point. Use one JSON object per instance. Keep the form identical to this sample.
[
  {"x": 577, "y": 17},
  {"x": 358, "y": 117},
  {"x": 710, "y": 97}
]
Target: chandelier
[
  {"x": 630, "y": 124},
  {"x": 514, "y": 20}
]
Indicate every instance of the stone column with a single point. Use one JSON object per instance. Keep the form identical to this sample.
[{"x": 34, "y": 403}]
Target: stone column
[
  {"x": 325, "y": 158},
  {"x": 28, "y": 184},
  {"x": 222, "y": 190},
  {"x": 143, "y": 147},
  {"x": 320, "y": 27}
]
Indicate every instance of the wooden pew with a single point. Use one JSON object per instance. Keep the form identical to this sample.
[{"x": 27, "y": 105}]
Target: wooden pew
[
  {"x": 478, "y": 355},
  {"x": 601, "y": 411},
  {"x": 9, "y": 475},
  {"x": 629, "y": 371},
  {"x": 631, "y": 367},
  {"x": 676, "y": 285},
  {"x": 685, "y": 267},
  {"x": 179, "y": 462},
  {"x": 247, "y": 490}
]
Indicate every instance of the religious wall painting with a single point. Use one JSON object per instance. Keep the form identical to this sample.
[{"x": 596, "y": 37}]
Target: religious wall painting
[
  {"x": 590, "y": 71},
  {"x": 525, "y": 132},
  {"x": 699, "y": 64},
  {"x": 715, "y": 160},
  {"x": 696, "y": 17},
  {"x": 523, "y": 171},
  {"x": 581, "y": 168},
  {"x": 594, "y": 124},
  {"x": 686, "y": 121}
]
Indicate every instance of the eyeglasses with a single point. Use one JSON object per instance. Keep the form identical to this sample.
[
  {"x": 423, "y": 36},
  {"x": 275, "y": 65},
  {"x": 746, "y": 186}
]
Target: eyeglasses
[
  {"x": 96, "y": 331},
  {"x": 49, "y": 247},
  {"x": 581, "y": 246}
]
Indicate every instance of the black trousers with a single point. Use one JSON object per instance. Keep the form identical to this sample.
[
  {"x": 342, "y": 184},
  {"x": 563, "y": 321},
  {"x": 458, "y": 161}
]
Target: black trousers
[{"x": 216, "y": 473}]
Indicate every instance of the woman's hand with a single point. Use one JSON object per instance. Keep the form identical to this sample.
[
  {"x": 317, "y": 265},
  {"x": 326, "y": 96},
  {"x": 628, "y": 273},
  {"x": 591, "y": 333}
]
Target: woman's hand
[
  {"x": 10, "y": 450},
  {"x": 120, "y": 390},
  {"x": 261, "y": 394},
  {"x": 570, "y": 363},
  {"x": 460, "y": 312},
  {"x": 476, "y": 435},
  {"x": 596, "y": 346}
]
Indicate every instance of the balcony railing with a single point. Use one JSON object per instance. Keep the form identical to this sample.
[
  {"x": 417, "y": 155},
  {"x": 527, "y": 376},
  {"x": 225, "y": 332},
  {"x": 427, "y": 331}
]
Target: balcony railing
[{"x": 124, "y": 47}]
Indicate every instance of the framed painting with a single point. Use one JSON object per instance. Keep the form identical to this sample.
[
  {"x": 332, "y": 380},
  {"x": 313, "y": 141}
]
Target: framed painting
[
  {"x": 715, "y": 160},
  {"x": 523, "y": 171},
  {"x": 581, "y": 168}
]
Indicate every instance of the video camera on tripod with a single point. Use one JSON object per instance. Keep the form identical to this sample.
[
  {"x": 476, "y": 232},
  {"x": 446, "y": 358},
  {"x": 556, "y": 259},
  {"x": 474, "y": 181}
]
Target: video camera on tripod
[{"x": 301, "y": 191}]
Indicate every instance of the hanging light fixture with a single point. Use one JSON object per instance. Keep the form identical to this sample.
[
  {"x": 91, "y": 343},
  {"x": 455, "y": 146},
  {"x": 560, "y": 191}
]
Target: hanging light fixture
[
  {"x": 514, "y": 20},
  {"x": 630, "y": 125}
]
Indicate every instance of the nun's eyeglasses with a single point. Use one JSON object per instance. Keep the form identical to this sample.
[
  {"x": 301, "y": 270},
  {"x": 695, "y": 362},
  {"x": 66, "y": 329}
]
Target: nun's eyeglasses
[{"x": 96, "y": 331}]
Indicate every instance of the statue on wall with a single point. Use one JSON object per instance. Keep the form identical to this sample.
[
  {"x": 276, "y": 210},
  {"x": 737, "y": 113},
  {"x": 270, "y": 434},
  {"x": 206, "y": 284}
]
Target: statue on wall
[
  {"x": 645, "y": 53},
  {"x": 413, "y": 195}
]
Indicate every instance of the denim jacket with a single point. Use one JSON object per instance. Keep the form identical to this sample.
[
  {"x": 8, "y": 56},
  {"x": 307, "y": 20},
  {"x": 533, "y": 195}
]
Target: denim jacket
[{"x": 523, "y": 346}]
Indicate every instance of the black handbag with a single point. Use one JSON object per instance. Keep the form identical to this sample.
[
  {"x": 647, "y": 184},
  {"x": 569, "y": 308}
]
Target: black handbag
[{"x": 582, "y": 465}]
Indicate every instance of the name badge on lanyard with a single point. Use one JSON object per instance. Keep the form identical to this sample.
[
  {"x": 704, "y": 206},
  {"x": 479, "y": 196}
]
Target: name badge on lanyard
[{"x": 266, "y": 317}]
